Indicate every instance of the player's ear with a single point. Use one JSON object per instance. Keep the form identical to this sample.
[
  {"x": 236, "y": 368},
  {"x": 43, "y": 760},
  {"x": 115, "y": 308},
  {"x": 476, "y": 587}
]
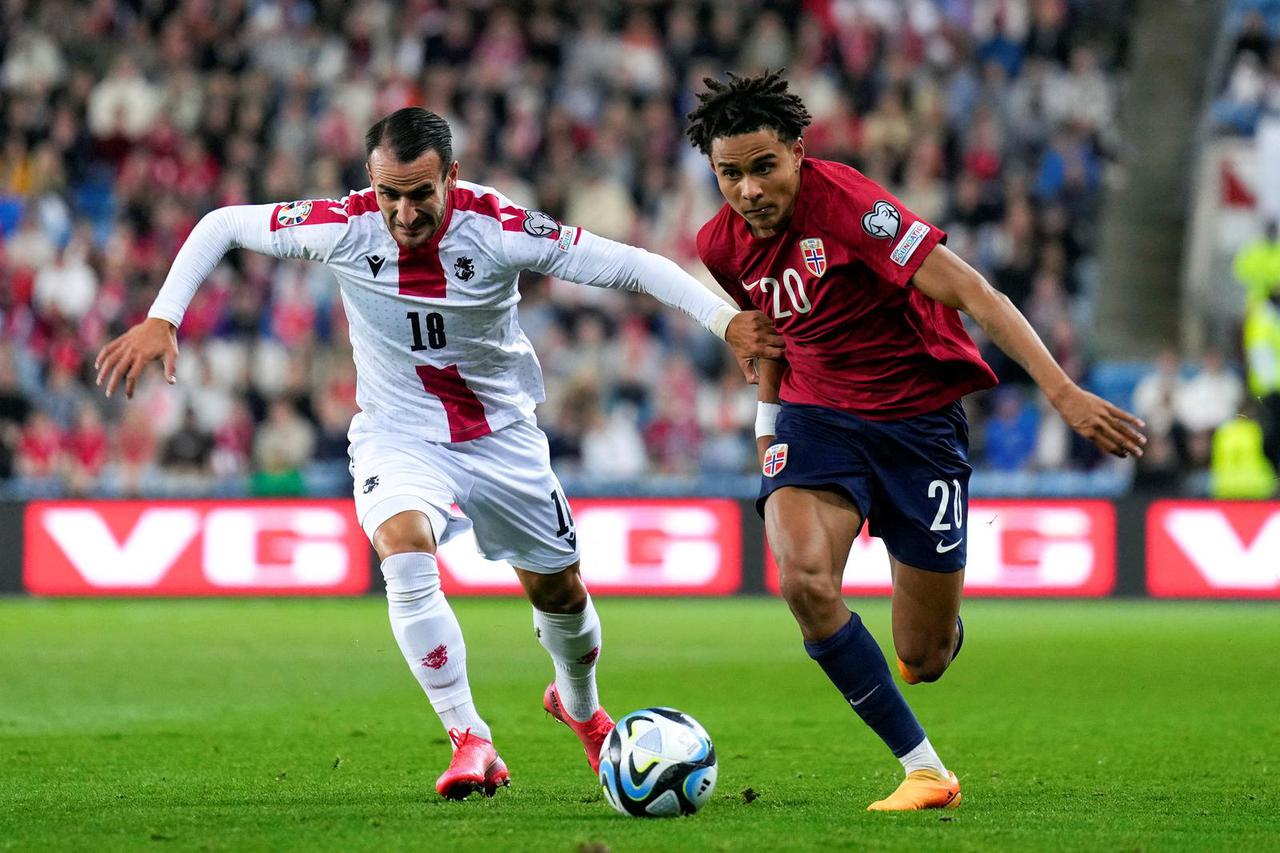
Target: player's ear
[
  {"x": 452, "y": 180},
  {"x": 797, "y": 150}
]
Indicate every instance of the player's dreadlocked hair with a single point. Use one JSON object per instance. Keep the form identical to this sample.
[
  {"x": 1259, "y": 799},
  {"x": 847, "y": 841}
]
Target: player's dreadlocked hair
[{"x": 746, "y": 104}]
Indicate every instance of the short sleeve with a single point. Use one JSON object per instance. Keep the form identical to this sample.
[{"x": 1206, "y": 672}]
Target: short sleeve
[
  {"x": 731, "y": 286},
  {"x": 891, "y": 240}
]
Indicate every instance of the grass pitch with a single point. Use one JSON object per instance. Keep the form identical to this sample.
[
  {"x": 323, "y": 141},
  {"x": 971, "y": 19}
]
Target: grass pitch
[{"x": 294, "y": 725}]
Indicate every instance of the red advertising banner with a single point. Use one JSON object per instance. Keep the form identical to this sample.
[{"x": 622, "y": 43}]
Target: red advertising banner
[
  {"x": 629, "y": 547},
  {"x": 1016, "y": 547},
  {"x": 1213, "y": 549},
  {"x": 164, "y": 548}
]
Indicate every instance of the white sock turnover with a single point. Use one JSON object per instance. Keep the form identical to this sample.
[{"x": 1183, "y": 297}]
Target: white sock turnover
[
  {"x": 923, "y": 757},
  {"x": 573, "y": 641},
  {"x": 431, "y": 639}
]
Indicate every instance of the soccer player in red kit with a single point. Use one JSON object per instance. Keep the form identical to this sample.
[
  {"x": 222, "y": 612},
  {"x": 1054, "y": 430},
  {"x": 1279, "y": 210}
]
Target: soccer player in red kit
[{"x": 863, "y": 421}]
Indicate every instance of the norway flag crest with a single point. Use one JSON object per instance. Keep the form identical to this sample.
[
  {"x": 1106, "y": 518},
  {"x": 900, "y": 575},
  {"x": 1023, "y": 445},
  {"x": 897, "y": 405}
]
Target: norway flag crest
[
  {"x": 815, "y": 257},
  {"x": 775, "y": 459}
]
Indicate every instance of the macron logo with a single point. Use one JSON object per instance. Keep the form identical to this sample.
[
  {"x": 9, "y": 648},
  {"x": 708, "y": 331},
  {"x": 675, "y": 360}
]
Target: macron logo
[{"x": 375, "y": 263}]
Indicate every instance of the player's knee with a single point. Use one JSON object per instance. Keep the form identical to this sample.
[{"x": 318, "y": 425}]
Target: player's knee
[
  {"x": 562, "y": 592},
  {"x": 405, "y": 533},
  {"x": 410, "y": 579},
  {"x": 807, "y": 585},
  {"x": 927, "y": 662}
]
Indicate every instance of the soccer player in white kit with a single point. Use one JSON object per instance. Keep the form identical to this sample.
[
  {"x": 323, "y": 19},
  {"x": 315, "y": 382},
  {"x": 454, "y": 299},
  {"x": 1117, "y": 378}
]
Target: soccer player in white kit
[{"x": 446, "y": 384}]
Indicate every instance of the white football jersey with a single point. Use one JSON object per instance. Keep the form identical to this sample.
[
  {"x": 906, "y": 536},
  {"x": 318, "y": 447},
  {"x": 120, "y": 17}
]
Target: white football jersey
[{"x": 439, "y": 352}]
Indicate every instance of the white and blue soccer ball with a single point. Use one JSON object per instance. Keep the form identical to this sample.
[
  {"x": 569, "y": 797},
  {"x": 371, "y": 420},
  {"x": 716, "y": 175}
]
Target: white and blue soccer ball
[{"x": 658, "y": 762}]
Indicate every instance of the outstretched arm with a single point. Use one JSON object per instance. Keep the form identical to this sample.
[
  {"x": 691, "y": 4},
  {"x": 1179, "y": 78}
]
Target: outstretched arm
[
  {"x": 750, "y": 334},
  {"x": 599, "y": 262},
  {"x": 945, "y": 277},
  {"x": 260, "y": 228}
]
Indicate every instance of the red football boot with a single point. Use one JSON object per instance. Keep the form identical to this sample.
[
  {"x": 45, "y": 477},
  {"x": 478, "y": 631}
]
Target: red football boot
[
  {"x": 592, "y": 732},
  {"x": 475, "y": 766}
]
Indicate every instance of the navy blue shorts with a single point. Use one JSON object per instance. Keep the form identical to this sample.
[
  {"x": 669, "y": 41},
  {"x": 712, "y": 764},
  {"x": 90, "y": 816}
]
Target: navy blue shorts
[{"x": 908, "y": 478}]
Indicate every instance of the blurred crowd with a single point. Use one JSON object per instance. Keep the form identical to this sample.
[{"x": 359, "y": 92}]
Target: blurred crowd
[
  {"x": 1251, "y": 89},
  {"x": 123, "y": 121}
]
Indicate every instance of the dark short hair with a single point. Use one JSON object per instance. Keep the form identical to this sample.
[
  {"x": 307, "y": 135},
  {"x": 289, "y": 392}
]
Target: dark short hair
[
  {"x": 745, "y": 105},
  {"x": 409, "y": 133}
]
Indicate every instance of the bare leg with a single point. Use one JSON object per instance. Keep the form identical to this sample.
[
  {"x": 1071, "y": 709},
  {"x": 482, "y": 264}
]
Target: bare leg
[
  {"x": 810, "y": 532},
  {"x": 925, "y": 607}
]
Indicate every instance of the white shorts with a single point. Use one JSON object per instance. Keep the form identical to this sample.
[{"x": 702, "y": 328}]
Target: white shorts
[{"x": 502, "y": 481}]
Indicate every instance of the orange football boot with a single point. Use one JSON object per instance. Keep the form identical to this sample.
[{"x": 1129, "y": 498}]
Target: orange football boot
[
  {"x": 906, "y": 673},
  {"x": 922, "y": 789}
]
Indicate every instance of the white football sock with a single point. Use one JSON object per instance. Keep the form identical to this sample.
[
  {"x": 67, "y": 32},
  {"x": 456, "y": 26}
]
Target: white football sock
[
  {"x": 431, "y": 639},
  {"x": 923, "y": 757},
  {"x": 573, "y": 640}
]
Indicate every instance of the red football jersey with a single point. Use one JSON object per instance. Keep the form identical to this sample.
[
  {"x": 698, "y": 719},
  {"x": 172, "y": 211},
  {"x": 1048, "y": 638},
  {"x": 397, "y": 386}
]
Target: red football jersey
[{"x": 837, "y": 284}]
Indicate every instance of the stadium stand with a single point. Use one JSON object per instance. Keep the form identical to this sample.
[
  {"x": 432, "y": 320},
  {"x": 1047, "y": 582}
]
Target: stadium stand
[{"x": 993, "y": 118}]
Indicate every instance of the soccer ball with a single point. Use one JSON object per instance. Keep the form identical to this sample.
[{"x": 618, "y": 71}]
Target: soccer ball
[{"x": 658, "y": 762}]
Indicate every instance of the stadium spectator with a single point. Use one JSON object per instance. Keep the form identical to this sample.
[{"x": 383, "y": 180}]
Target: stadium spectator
[
  {"x": 39, "y": 451},
  {"x": 1253, "y": 38},
  {"x": 1153, "y": 401},
  {"x": 1257, "y": 264},
  {"x": 1010, "y": 436},
  {"x": 1205, "y": 402},
  {"x": 134, "y": 454},
  {"x": 1238, "y": 467},
  {"x": 283, "y": 444},
  {"x": 1262, "y": 348},
  {"x": 186, "y": 456},
  {"x": 87, "y": 446}
]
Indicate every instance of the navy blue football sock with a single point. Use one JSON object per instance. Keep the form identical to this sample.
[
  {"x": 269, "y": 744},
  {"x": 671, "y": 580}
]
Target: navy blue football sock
[
  {"x": 853, "y": 661},
  {"x": 959, "y": 639}
]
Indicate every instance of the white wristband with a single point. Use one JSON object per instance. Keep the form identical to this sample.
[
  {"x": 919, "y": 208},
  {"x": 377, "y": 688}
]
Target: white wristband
[
  {"x": 718, "y": 324},
  {"x": 767, "y": 418}
]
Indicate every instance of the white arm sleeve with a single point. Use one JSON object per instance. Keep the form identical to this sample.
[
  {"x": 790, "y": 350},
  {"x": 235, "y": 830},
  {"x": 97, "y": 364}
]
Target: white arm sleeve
[
  {"x": 582, "y": 257},
  {"x": 242, "y": 227}
]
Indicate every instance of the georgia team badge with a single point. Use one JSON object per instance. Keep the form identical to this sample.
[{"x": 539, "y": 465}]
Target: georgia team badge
[
  {"x": 815, "y": 256},
  {"x": 775, "y": 459},
  {"x": 293, "y": 213}
]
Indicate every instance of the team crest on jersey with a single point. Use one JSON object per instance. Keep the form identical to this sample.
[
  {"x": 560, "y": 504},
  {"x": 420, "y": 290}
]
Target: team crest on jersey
[
  {"x": 293, "y": 213},
  {"x": 775, "y": 459},
  {"x": 464, "y": 269},
  {"x": 882, "y": 221},
  {"x": 815, "y": 256},
  {"x": 539, "y": 224}
]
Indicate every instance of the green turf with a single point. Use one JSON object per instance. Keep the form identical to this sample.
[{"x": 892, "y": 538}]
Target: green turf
[{"x": 293, "y": 725}]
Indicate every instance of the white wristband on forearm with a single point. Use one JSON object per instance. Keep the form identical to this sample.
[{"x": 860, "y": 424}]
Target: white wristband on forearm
[{"x": 767, "y": 418}]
